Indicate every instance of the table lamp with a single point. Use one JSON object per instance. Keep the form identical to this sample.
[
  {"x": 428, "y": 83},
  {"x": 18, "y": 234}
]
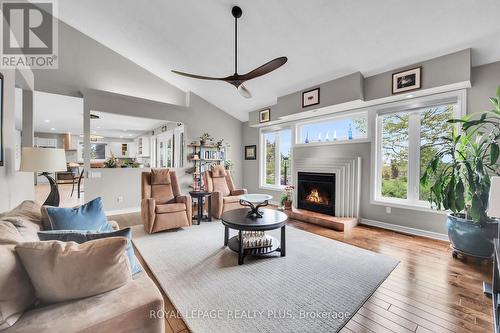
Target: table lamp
[{"x": 45, "y": 160}]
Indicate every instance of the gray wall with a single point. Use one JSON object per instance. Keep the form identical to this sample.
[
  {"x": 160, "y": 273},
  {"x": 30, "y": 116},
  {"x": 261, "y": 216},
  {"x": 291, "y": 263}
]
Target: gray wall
[
  {"x": 199, "y": 117},
  {"x": 441, "y": 71},
  {"x": 15, "y": 186},
  {"x": 485, "y": 80},
  {"x": 345, "y": 89}
]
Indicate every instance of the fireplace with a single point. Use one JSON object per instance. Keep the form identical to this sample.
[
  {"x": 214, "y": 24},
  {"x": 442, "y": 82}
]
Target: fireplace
[{"x": 316, "y": 192}]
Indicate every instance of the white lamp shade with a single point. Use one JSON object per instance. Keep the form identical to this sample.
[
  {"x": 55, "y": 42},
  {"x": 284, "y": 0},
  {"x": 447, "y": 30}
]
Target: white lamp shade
[
  {"x": 43, "y": 159},
  {"x": 494, "y": 201}
]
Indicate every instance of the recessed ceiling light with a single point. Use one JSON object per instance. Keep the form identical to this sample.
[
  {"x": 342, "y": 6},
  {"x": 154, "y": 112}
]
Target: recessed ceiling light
[
  {"x": 52, "y": 129},
  {"x": 409, "y": 96},
  {"x": 47, "y": 120},
  {"x": 121, "y": 136},
  {"x": 130, "y": 135}
]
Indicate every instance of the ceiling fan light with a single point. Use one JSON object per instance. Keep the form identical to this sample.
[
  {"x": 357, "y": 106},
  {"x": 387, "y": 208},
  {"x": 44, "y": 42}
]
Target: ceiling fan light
[{"x": 244, "y": 91}]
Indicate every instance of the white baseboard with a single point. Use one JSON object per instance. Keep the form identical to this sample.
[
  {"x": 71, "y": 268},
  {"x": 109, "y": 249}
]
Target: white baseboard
[
  {"x": 405, "y": 230},
  {"x": 123, "y": 211}
]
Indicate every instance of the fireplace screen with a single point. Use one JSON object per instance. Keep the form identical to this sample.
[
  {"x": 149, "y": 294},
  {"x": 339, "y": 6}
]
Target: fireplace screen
[{"x": 316, "y": 192}]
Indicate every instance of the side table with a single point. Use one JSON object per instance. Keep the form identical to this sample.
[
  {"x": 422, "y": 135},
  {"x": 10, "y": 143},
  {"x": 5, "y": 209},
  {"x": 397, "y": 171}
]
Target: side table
[{"x": 200, "y": 196}]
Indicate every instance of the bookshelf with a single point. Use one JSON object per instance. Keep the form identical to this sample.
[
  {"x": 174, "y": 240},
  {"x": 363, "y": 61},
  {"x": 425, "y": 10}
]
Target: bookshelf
[{"x": 202, "y": 158}]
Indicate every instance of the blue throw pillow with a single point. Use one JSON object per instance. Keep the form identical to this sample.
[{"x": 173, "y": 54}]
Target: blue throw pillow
[
  {"x": 85, "y": 236},
  {"x": 89, "y": 216}
]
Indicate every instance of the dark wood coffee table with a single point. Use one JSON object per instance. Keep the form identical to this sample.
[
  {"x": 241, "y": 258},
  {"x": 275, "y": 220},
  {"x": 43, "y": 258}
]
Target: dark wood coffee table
[{"x": 237, "y": 219}]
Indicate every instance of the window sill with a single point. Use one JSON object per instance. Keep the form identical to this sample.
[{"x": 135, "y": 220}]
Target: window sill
[
  {"x": 331, "y": 143},
  {"x": 405, "y": 205},
  {"x": 276, "y": 188}
]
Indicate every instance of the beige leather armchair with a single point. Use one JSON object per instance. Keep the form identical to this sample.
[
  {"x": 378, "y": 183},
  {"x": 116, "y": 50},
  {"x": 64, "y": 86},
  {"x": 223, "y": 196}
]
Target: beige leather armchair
[
  {"x": 162, "y": 205},
  {"x": 224, "y": 196}
]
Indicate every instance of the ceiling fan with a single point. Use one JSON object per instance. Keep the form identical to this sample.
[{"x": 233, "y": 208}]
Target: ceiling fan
[{"x": 236, "y": 79}]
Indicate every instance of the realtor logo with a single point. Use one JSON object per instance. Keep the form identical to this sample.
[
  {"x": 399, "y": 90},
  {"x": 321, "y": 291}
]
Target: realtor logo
[{"x": 29, "y": 35}]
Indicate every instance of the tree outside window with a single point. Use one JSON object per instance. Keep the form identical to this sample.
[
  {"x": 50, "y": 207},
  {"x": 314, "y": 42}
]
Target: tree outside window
[
  {"x": 277, "y": 157},
  {"x": 423, "y": 129}
]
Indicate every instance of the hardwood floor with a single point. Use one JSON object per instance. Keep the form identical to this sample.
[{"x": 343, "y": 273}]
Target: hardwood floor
[{"x": 429, "y": 291}]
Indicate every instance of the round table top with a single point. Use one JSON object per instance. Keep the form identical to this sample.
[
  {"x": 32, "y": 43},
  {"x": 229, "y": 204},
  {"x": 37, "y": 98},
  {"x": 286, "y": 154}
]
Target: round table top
[
  {"x": 255, "y": 198},
  {"x": 238, "y": 219}
]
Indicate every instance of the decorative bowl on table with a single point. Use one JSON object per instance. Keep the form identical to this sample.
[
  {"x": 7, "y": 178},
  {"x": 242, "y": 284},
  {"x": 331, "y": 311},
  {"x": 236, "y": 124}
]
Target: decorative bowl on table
[{"x": 254, "y": 202}]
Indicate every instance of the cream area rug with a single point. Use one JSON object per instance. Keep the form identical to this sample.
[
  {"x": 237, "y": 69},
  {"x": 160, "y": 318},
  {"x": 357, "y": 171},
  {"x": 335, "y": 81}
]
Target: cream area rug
[{"x": 317, "y": 287}]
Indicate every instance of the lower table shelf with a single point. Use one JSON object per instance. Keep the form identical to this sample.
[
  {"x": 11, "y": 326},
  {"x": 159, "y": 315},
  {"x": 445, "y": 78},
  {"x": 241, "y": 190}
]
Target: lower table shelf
[{"x": 233, "y": 244}]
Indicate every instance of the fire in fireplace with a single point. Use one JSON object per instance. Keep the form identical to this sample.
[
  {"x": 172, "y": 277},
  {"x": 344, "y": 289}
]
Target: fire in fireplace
[
  {"x": 316, "y": 192},
  {"x": 315, "y": 197}
]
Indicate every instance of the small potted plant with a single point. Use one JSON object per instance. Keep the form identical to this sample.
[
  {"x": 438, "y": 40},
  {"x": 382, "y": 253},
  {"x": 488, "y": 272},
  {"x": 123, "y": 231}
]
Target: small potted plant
[
  {"x": 220, "y": 143},
  {"x": 111, "y": 162},
  {"x": 459, "y": 179},
  {"x": 205, "y": 138},
  {"x": 287, "y": 197},
  {"x": 228, "y": 164}
]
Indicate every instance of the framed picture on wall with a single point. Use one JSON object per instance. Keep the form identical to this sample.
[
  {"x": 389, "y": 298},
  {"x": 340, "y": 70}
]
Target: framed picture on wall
[
  {"x": 264, "y": 116},
  {"x": 2, "y": 159},
  {"x": 407, "y": 80},
  {"x": 310, "y": 97},
  {"x": 251, "y": 152}
]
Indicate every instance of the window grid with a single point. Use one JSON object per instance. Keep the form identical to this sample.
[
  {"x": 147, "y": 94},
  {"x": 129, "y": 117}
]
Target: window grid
[
  {"x": 277, "y": 158},
  {"x": 414, "y": 145}
]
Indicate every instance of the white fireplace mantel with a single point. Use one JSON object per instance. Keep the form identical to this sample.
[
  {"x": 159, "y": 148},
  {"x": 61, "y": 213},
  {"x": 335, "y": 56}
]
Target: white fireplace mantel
[{"x": 347, "y": 180}]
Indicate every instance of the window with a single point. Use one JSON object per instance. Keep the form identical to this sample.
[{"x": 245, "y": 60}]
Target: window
[
  {"x": 346, "y": 128},
  {"x": 97, "y": 151},
  {"x": 406, "y": 142},
  {"x": 276, "y": 150}
]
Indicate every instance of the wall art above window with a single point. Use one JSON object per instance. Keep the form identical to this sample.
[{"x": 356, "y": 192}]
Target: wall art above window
[
  {"x": 407, "y": 80},
  {"x": 264, "y": 116},
  {"x": 310, "y": 97}
]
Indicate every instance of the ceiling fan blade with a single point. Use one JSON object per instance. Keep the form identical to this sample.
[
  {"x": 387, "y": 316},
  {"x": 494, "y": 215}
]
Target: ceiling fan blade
[
  {"x": 244, "y": 91},
  {"x": 194, "y": 76},
  {"x": 264, "y": 69}
]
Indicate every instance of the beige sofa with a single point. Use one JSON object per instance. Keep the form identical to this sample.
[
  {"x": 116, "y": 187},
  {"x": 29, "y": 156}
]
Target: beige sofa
[{"x": 126, "y": 309}]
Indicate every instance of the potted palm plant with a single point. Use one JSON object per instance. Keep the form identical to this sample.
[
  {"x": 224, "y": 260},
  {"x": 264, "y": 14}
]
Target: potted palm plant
[{"x": 459, "y": 179}]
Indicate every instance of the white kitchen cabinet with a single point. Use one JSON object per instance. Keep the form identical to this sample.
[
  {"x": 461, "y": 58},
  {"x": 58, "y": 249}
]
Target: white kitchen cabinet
[
  {"x": 132, "y": 150},
  {"x": 123, "y": 149},
  {"x": 115, "y": 148},
  {"x": 143, "y": 146},
  {"x": 45, "y": 142}
]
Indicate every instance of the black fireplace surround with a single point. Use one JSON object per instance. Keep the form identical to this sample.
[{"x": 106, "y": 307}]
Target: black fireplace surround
[{"x": 316, "y": 192}]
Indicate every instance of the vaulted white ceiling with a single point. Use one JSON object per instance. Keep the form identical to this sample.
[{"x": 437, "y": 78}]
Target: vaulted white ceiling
[{"x": 323, "y": 39}]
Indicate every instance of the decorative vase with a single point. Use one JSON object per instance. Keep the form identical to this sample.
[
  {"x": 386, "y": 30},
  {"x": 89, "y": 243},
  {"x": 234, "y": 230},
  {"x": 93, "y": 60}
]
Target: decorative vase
[
  {"x": 288, "y": 205},
  {"x": 471, "y": 238}
]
